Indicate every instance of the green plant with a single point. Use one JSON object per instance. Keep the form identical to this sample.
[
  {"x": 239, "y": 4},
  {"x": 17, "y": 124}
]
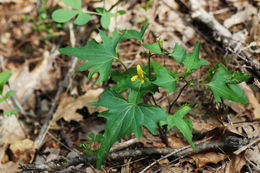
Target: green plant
[
  {"x": 4, "y": 76},
  {"x": 83, "y": 17},
  {"x": 129, "y": 115}
]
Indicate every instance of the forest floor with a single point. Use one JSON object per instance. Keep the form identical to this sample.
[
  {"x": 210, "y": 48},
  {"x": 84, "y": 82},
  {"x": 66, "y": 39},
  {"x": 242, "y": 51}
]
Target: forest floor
[{"x": 55, "y": 104}]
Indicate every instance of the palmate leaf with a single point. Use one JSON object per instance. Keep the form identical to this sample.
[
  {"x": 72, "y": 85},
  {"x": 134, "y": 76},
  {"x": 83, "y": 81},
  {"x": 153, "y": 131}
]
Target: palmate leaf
[
  {"x": 164, "y": 78},
  {"x": 190, "y": 61},
  {"x": 154, "y": 47},
  {"x": 222, "y": 89},
  {"x": 99, "y": 55},
  {"x": 133, "y": 34},
  {"x": 124, "y": 118},
  {"x": 182, "y": 123}
]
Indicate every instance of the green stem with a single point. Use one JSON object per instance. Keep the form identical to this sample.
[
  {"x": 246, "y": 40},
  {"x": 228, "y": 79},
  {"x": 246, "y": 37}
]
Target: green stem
[
  {"x": 149, "y": 67},
  {"x": 92, "y": 12}
]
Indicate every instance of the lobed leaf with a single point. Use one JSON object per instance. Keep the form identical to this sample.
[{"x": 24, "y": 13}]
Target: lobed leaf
[
  {"x": 190, "y": 61},
  {"x": 166, "y": 80},
  {"x": 182, "y": 123},
  {"x": 154, "y": 47},
  {"x": 99, "y": 55},
  {"x": 221, "y": 88},
  {"x": 133, "y": 34},
  {"x": 123, "y": 119}
]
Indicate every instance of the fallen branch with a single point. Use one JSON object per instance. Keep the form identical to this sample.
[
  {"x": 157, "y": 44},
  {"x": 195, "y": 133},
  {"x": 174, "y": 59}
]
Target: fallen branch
[{"x": 228, "y": 145}]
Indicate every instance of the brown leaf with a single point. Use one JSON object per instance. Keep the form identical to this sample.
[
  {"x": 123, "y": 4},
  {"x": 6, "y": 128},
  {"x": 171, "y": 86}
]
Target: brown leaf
[
  {"x": 22, "y": 150},
  {"x": 252, "y": 100},
  {"x": 43, "y": 76},
  {"x": 68, "y": 107},
  {"x": 254, "y": 155},
  {"x": 9, "y": 167},
  {"x": 235, "y": 165},
  {"x": 211, "y": 157},
  {"x": 10, "y": 130}
]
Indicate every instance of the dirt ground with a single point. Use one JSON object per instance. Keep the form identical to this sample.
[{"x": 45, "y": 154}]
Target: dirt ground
[{"x": 55, "y": 103}]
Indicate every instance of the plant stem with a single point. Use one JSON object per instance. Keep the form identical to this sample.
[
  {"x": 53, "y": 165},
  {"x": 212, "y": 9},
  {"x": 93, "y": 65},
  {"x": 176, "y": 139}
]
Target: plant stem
[
  {"x": 122, "y": 63},
  {"x": 175, "y": 100},
  {"x": 149, "y": 66},
  {"x": 92, "y": 12}
]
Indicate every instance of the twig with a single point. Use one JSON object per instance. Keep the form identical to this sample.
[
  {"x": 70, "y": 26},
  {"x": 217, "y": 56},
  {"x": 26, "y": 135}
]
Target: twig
[
  {"x": 62, "y": 85},
  {"x": 229, "y": 144},
  {"x": 254, "y": 141},
  {"x": 123, "y": 145}
]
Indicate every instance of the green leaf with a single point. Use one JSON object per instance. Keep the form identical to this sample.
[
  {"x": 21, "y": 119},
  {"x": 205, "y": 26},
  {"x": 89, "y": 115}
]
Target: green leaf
[
  {"x": 154, "y": 47},
  {"x": 237, "y": 77},
  {"x": 137, "y": 89},
  {"x": 82, "y": 18},
  {"x": 11, "y": 112},
  {"x": 105, "y": 17},
  {"x": 190, "y": 61},
  {"x": 99, "y": 55},
  {"x": 76, "y": 4},
  {"x": 7, "y": 96},
  {"x": 4, "y": 76},
  {"x": 221, "y": 89},
  {"x": 182, "y": 123},
  {"x": 63, "y": 15},
  {"x": 133, "y": 34},
  {"x": 123, "y": 119},
  {"x": 119, "y": 13},
  {"x": 105, "y": 21},
  {"x": 179, "y": 53},
  {"x": 166, "y": 79}
]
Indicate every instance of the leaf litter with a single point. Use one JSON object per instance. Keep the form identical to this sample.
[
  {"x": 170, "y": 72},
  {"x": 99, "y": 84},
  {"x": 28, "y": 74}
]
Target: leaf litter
[{"x": 166, "y": 23}]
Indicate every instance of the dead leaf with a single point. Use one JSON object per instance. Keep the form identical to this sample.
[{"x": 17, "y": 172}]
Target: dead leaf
[
  {"x": 10, "y": 130},
  {"x": 241, "y": 16},
  {"x": 235, "y": 164},
  {"x": 43, "y": 76},
  {"x": 211, "y": 157},
  {"x": 9, "y": 167},
  {"x": 22, "y": 150},
  {"x": 252, "y": 100},
  {"x": 68, "y": 107},
  {"x": 237, "y": 107},
  {"x": 253, "y": 155},
  {"x": 175, "y": 142}
]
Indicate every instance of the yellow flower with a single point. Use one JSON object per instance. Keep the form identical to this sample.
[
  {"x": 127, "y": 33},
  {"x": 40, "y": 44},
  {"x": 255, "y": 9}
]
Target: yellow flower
[{"x": 139, "y": 75}]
